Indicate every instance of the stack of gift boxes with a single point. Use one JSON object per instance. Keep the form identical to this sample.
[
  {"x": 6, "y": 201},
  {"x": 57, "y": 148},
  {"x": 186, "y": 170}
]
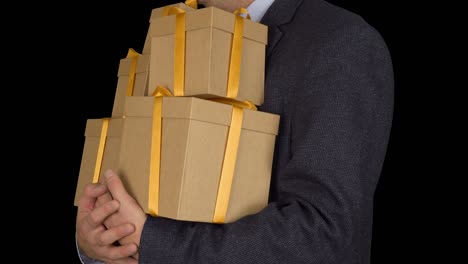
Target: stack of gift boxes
[{"x": 185, "y": 135}]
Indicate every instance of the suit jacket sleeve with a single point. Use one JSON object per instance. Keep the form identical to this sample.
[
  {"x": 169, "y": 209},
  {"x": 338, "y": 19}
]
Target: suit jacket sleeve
[{"x": 321, "y": 211}]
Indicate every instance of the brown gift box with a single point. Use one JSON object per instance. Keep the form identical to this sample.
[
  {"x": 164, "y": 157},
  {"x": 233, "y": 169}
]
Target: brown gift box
[
  {"x": 193, "y": 136},
  {"x": 194, "y": 133},
  {"x": 110, "y": 158},
  {"x": 140, "y": 83},
  {"x": 208, "y": 41}
]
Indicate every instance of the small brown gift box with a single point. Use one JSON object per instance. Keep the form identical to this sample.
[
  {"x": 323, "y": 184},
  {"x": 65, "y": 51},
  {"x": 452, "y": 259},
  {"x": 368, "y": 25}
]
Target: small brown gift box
[
  {"x": 132, "y": 80},
  {"x": 101, "y": 150},
  {"x": 207, "y": 59},
  {"x": 193, "y": 143}
]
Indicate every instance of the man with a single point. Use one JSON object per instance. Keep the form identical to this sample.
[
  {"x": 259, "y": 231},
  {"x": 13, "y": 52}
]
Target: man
[{"x": 329, "y": 76}]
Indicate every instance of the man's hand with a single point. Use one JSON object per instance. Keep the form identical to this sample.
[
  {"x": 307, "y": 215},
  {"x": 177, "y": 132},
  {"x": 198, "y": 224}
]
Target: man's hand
[
  {"x": 93, "y": 238},
  {"x": 129, "y": 211}
]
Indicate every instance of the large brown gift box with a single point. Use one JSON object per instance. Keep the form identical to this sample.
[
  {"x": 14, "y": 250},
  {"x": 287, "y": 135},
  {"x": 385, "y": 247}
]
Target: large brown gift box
[
  {"x": 101, "y": 150},
  {"x": 132, "y": 80},
  {"x": 193, "y": 142},
  {"x": 206, "y": 56}
]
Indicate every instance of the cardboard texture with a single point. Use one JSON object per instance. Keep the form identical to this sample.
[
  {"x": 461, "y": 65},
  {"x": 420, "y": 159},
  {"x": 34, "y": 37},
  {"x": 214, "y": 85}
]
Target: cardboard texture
[
  {"x": 90, "y": 151},
  {"x": 209, "y": 34},
  {"x": 140, "y": 85},
  {"x": 194, "y": 133},
  {"x": 156, "y": 13}
]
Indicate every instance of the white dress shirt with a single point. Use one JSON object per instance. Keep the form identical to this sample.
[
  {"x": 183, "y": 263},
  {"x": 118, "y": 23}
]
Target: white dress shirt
[{"x": 258, "y": 8}]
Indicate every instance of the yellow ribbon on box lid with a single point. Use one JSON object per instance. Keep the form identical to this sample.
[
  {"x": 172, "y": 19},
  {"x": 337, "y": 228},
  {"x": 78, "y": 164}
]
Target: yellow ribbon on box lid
[
  {"x": 132, "y": 54},
  {"x": 230, "y": 156},
  {"x": 192, "y": 3},
  {"x": 179, "y": 48},
  {"x": 236, "y": 53},
  {"x": 155, "y": 158},
  {"x": 100, "y": 151}
]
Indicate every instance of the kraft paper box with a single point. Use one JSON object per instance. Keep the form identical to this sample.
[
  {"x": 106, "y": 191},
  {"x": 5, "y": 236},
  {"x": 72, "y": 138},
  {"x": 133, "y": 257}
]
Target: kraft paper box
[
  {"x": 159, "y": 12},
  {"x": 194, "y": 133},
  {"x": 208, "y": 41},
  {"x": 111, "y": 150},
  {"x": 139, "y": 81}
]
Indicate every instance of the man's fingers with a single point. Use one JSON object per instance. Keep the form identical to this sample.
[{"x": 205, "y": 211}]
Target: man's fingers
[
  {"x": 122, "y": 254},
  {"x": 87, "y": 201},
  {"x": 101, "y": 243},
  {"x": 115, "y": 186},
  {"x": 98, "y": 215},
  {"x": 89, "y": 195},
  {"x": 106, "y": 197},
  {"x": 115, "y": 234}
]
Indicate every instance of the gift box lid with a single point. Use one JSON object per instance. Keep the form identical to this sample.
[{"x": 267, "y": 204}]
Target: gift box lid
[
  {"x": 211, "y": 17},
  {"x": 94, "y": 127},
  {"x": 126, "y": 64},
  {"x": 201, "y": 110}
]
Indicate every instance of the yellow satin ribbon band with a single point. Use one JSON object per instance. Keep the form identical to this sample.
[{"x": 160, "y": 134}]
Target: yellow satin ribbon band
[
  {"x": 100, "y": 152},
  {"x": 233, "y": 102},
  {"x": 132, "y": 54},
  {"x": 192, "y": 3},
  {"x": 179, "y": 55},
  {"x": 229, "y": 165},
  {"x": 155, "y": 160},
  {"x": 236, "y": 54},
  {"x": 153, "y": 192},
  {"x": 179, "y": 48}
]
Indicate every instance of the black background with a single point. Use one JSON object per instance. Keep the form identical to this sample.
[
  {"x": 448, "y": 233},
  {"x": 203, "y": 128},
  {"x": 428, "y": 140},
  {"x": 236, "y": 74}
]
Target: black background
[{"x": 75, "y": 52}]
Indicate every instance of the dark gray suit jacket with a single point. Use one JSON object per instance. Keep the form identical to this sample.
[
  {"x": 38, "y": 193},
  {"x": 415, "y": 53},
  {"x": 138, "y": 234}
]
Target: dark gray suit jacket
[{"x": 329, "y": 76}]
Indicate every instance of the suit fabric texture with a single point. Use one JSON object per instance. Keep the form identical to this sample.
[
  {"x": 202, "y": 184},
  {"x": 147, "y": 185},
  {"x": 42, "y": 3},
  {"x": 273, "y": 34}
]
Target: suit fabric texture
[{"x": 329, "y": 76}]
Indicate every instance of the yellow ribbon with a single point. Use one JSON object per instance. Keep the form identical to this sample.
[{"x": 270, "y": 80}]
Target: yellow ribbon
[
  {"x": 233, "y": 102},
  {"x": 155, "y": 158},
  {"x": 179, "y": 48},
  {"x": 229, "y": 165},
  {"x": 192, "y": 3},
  {"x": 132, "y": 54},
  {"x": 100, "y": 152},
  {"x": 230, "y": 156},
  {"x": 236, "y": 53}
]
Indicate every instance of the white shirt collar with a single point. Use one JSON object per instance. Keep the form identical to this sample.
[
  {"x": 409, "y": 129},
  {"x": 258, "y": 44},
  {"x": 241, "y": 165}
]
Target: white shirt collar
[{"x": 258, "y": 8}]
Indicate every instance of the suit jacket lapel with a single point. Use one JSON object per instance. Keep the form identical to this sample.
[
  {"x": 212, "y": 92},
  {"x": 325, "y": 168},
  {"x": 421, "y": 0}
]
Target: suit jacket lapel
[
  {"x": 280, "y": 12},
  {"x": 274, "y": 36}
]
